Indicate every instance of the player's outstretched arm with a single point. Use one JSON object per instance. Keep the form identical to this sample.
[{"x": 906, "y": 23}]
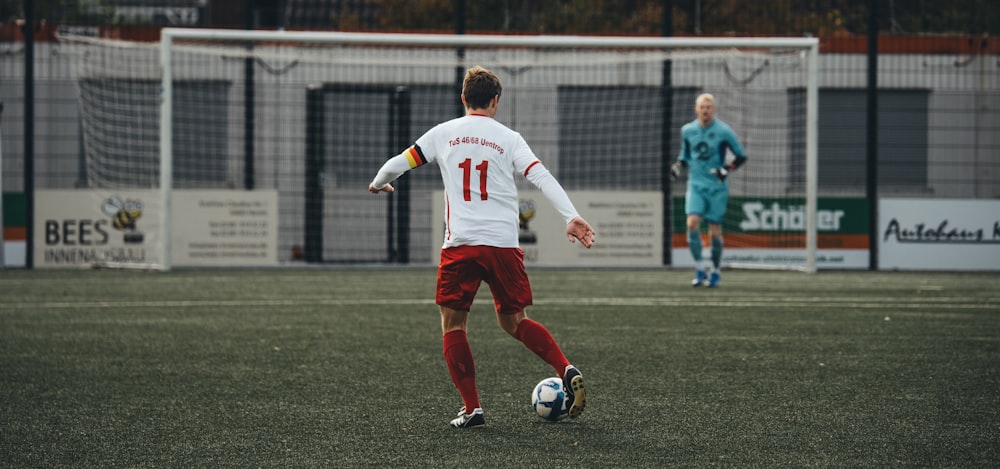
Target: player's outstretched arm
[
  {"x": 390, "y": 171},
  {"x": 376, "y": 190},
  {"x": 579, "y": 229}
]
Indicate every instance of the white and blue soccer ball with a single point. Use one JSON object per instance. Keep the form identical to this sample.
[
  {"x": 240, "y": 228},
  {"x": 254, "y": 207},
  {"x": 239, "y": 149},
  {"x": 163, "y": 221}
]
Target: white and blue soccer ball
[{"x": 549, "y": 399}]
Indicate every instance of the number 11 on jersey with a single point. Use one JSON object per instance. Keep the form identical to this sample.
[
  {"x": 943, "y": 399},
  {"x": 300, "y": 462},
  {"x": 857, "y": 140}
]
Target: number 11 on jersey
[{"x": 466, "y": 166}]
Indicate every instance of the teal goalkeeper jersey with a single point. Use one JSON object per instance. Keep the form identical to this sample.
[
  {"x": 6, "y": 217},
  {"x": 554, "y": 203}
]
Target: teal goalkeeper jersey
[{"x": 704, "y": 149}]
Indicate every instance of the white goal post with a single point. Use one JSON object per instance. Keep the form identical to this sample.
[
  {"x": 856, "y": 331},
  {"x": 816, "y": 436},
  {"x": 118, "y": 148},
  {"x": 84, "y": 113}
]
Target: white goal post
[{"x": 521, "y": 50}]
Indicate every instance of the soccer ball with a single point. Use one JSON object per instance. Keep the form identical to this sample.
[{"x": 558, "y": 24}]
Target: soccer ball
[{"x": 549, "y": 399}]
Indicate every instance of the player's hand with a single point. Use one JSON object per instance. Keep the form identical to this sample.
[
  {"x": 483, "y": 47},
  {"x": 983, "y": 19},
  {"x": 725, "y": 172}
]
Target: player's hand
[
  {"x": 675, "y": 169},
  {"x": 720, "y": 173},
  {"x": 579, "y": 229},
  {"x": 376, "y": 190}
]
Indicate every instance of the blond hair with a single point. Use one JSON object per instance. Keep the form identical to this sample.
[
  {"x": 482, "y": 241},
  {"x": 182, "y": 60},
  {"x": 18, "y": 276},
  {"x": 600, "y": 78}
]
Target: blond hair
[{"x": 704, "y": 97}]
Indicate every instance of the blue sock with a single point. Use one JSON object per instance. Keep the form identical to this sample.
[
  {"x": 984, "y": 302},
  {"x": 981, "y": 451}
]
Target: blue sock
[
  {"x": 716, "y": 253},
  {"x": 694, "y": 244}
]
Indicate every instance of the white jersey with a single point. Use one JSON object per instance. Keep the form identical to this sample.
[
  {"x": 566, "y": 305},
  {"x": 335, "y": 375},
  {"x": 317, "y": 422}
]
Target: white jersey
[{"x": 478, "y": 158}]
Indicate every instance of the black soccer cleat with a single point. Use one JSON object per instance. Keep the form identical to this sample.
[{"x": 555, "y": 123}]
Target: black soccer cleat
[
  {"x": 474, "y": 420},
  {"x": 576, "y": 395}
]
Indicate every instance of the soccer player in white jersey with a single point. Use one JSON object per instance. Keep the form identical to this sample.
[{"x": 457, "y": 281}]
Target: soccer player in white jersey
[
  {"x": 478, "y": 158},
  {"x": 705, "y": 142}
]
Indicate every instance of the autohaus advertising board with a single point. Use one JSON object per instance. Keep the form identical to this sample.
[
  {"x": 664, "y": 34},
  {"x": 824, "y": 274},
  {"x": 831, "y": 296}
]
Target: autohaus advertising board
[{"x": 939, "y": 234}]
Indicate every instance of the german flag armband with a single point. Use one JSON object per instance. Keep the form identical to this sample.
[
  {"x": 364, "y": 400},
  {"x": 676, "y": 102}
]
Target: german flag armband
[{"x": 415, "y": 157}]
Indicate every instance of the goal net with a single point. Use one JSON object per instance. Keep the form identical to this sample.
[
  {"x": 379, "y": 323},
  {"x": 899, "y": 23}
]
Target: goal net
[{"x": 241, "y": 118}]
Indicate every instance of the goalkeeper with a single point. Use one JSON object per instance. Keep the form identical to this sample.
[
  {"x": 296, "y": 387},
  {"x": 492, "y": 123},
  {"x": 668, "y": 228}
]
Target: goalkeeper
[{"x": 705, "y": 142}]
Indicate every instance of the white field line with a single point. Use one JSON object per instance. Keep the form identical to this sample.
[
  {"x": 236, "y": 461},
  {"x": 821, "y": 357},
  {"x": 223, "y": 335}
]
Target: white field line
[{"x": 845, "y": 302}]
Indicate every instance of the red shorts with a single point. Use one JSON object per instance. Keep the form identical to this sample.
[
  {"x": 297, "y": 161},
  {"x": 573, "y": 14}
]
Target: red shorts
[{"x": 464, "y": 268}]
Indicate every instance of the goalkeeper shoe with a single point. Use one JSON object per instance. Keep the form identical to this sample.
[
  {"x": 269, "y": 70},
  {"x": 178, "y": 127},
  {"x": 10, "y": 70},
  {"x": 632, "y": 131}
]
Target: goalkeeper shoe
[
  {"x": 576, "y": 395},
  {"x": 713, "y": 280},
  {"x": 699, "y": 278},
  {"x": 473, "y": 420}
]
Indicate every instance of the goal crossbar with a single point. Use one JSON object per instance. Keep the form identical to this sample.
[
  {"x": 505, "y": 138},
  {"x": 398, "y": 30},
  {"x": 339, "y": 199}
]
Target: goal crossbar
[{"x": 487, "y": 40}]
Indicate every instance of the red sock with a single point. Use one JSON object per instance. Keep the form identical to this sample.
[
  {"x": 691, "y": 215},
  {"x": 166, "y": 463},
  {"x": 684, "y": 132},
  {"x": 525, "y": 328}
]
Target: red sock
[
  {"x": 538, "y": 339},
  {"x": 462, "y": 367}
]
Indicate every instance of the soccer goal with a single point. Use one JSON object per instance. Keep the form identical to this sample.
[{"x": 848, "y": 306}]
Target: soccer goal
[{"x": 304, "y": 119}]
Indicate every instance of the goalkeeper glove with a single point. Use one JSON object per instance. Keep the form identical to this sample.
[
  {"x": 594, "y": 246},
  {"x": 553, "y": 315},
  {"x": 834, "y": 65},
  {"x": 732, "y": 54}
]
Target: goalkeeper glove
[
  {"x": 720, "y": 173},
  {"x": 675, "y": 169}
]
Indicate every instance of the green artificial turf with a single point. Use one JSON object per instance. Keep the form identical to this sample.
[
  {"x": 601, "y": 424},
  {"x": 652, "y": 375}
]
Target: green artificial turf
[{"x": 343, "y": 368}]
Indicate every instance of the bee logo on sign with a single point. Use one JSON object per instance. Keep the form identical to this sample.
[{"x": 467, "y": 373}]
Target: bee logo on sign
[
  {"x": 525, "y": 212},
  {"x": 124, "y": 214}
]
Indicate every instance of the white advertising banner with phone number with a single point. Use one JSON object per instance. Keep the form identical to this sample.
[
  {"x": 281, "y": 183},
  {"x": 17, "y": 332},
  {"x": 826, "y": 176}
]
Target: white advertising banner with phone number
[
  {"x": 629, "y": 227},
  {"x": 210, "y": 227}
]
